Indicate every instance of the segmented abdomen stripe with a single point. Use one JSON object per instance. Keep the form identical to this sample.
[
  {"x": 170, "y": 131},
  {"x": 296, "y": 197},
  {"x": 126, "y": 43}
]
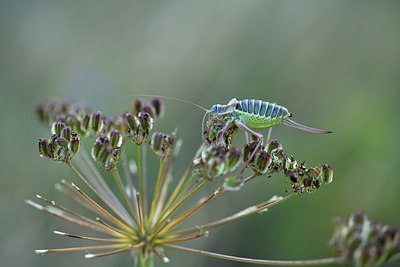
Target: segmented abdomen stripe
[
  {"x": 270, "y": 107},
  {"x": 257, "y": 106},
  {"x": 250, "y": 106},
  {"x": 275, "y": 111},
  {"x": 261, "y": 108}
]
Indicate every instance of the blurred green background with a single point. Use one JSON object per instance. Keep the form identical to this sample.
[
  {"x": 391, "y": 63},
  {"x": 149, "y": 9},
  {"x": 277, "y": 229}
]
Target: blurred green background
[{"x": 334, "y": 64}]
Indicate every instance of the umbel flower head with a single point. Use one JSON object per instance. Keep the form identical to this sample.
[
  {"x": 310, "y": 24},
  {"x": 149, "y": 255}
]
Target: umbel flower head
[{"x": 143, "y": 220}]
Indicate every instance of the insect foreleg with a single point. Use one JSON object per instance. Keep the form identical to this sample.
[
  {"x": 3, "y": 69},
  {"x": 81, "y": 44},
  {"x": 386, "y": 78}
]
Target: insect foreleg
[
  {"x": 210, "y": 126},
  {"x": 260, "y": 141},
  {"x": 224, "y": 130}
]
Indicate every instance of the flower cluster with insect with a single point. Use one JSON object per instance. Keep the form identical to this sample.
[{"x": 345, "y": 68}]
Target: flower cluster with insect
[{"x": 146, "y": 221}]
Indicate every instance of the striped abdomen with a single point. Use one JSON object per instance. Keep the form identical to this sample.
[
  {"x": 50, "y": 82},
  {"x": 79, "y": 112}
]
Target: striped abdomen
[{"x": 257, "y": 114}]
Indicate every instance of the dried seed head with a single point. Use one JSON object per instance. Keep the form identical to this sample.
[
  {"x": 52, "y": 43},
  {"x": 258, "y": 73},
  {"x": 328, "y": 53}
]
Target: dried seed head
[
  {"x": 84, "y": 125},
  {"x": 248, "y": 150},
  {"x": 66, "y": 132},
  {"x": 96, "y": 122},
  {"x": 216, "y": 167},
  {"x": 149, "y": 109},
  {"x": 327, "y": 173},
  {"x": 145, "y": 121},
  {"x": 273, "y": 145},
  {"x": 162, "y": 144},
  {"x": 105, "y": 155},
  {"x": 101, "y": 142},
  {"x": 137, "y": 106},
  {"x": 307, "y": 181},
  {"x": 290, "y": 163},
  {"x": 262, "y": 162},
  {"x": 72, "y": 121},
  {"x": 213, "y": 162},
  {"x": 115, "y": 138},
  {"x": 131, "y": 121},
  {"x": 61, "y": 142},
  {"x": 234, "y": 157},
  {"x": 64, "y": 110},
  {"x": 293, "y": 176},
  {"x": 158, "y": 106},
  {"x": 45, "y": 149},
  {"x": 157, "y": 140},
  {"x": 139, "y": 127},
  {"x": 233, "y": 183},
  {"x": 74, "y": 144},
  {"x": 365, "y": 242},
  {"x": 113, "y": 122},
  {"x": 56, "y": 127}
]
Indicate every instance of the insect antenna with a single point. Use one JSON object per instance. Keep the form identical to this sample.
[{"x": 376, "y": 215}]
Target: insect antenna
[
  {"x": 294, "y": 124},
  {"x": 171, "y": 98}
]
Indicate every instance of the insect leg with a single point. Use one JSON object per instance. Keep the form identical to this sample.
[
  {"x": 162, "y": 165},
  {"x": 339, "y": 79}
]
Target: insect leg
[
  {"x": 260, "y": 141},
  {"x": 269, "y": 134},
  {"x": 211, "y": 124},
  {"x": 224, "y": 130}
]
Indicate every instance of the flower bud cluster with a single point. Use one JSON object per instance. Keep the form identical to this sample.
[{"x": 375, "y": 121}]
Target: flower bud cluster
[
  {"x": 62, "y": 145},
  {"x": 155, "y": 108},
  {"x": 107, "y": 149},
  {"x": 139, "y": 127},
  {"x": 162, "y": 144},
  {"x": 216, "y": 161},
  {"x": 365, "y": 242}
]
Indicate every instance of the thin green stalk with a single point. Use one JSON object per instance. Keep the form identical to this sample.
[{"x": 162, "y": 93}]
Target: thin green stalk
[
  {"x": 176, "y": 221},
  {"x": 139, "y": 165},
  {"x": 144, "y": 177},
  {"x": 96, "y": 193},
  {"x": 117, "y": 180},
  {"x": 173, "y": 209},
  {"x": 256, "y": 261},
  {"x": 156, "y": 190},
  {"x": 236, "y": 216},
  {"x": 177, "y": 192}
]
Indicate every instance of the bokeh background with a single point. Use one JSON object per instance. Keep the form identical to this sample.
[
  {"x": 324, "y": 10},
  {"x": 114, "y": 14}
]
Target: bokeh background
[{"x": 334, "y": 64}]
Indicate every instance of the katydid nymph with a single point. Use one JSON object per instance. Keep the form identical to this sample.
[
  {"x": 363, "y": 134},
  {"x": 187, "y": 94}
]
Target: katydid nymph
[{"x": 250, "y": 115}]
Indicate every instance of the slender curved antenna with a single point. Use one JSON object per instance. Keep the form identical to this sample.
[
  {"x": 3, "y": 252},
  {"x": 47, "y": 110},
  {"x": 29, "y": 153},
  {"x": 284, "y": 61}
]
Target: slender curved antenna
[{"x": 171, "y": 98}]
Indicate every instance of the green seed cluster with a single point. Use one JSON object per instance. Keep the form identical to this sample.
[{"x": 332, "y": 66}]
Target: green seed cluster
[
  {"x": 162, "y": 144},
  {"x": 216, "y": 161},
  {"x": 62, "y": 145},
  {"x": 107, "y": 149},
  {"x": 365, "y": 242},
  {"x": 69, "y": 120}
]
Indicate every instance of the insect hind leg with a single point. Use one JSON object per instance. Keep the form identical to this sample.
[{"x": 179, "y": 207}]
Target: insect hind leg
[{"x": 260, "y": 141}]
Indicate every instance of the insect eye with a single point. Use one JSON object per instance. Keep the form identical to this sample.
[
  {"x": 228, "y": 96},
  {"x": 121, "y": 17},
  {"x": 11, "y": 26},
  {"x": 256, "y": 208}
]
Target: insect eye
[{"x": 290, "y": 115}]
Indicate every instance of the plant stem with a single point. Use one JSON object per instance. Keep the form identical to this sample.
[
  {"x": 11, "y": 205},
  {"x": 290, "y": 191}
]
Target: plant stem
[
  {"x": 256, "y": 261},
  {"x": 246, "y": 212},
  {"x": 156, "y": 190},
  {"x": 117, "y": 180}
]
